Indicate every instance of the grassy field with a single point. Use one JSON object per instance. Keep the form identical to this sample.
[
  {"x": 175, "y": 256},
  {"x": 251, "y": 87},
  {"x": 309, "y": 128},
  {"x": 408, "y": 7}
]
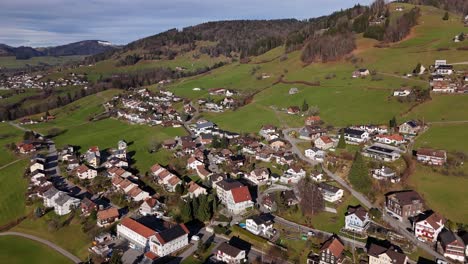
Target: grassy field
[
  {"x": 12, "y": 187},
  {"x": 16, "y": 250},
  {"x": 12, "y": 62},
  {"x": 8, "y": 134},
  {"x": 73, "y": 120},
  {"x": 442, "y": 193},
  {"x": 70, "y": 237},
  {"x": 446, "y": 136}
]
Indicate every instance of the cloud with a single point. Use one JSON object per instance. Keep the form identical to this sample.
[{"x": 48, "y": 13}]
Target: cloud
[{"x": 54, "y": 22}]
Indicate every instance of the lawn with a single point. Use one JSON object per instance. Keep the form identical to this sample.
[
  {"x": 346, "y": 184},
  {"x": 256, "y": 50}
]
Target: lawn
[
  {"x": 12, "y": 62},
  {"x": 446, "y": 136},
  {"x": 13, "y": 188},
  {"x": 442, "y": 108},
  {"x": 8, "y": 134},
  {"x": 69, "y": 237},
  {"x": 17, "y": 250},
  {"x": 443, "y": 193}
]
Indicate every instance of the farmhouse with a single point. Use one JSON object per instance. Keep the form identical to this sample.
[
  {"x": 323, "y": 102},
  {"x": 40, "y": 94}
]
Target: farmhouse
[
  {"x": 330, "y": 193},
  {"x": 382, "y": 152},
  {"x": 293, "y": 110},
  {"x": 360, "y": 73},
  {"x": 313, "y": 120},
  {"x": 427, "y": 226},
  {"x": 444, "y": 70},
  {"x": 356, "y": 219},
  {"x": 431, "y": 156},
  {"x": 444, "y": 87},
  {"x": 403, "y": 204}
]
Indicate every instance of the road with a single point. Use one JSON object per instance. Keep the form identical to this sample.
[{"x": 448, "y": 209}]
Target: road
[
  {"x": 395, "y": 224},
  {"x": 55, "y": 247}
]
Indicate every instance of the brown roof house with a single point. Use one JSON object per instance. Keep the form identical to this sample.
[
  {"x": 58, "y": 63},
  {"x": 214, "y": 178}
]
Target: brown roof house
[
  {"x": 403, "y": 204},
  {"x": 331, "y": 252},
  {"x": 385, "y": 255},
  {"x": 107, "y": 217}
]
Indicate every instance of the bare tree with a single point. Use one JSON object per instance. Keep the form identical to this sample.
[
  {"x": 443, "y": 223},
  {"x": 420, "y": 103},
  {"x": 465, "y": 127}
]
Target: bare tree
[{"x": 311, "y": 198}]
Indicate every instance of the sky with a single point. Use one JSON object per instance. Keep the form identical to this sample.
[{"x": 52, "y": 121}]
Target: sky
[{"x": 41, "y": 23}]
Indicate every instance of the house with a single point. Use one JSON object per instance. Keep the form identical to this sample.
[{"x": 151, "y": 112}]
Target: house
[
  {"x": 399, "y": 8},
  {"x": 444, "y": 69},
  {"x": 137, "y": 194},
  {"x": 25, "y": 148},
  {"x": 411, "y": 127},
  {"x": 402, "y": 92},
  {"x": 452, "y": 246},
  {"x": 87, "y": 206},
  {"x": 169, "y": 144},
  {"x": 393, "y": 139},
  {"x": 115, "y": 162},
  {"x": 151, "y": 206},
  {"x": 37, "y": 165},
  {"x": 385, "y": 255},
  {"x": 170, "y": 240},
  {"x": 234, "y": 195},
  {"x": 444, "y": 86},
  {"x": 403, "y": 204},
  {"x": 83, "y": 173},
  {"x": 118, "y": 172},
  {"x": 122, "y": 145},
  {"x": 289, "y": 197},
  {"x": 277, "y": 144},
  {"x": 258, "y": 176},
  {"x": 293, "y": 110},
  {"x": 427, "y": 226},
  {"x": 202, "y": 172},
  {"x": 464, "y": 237},
  {"x": 228, "y": 253},
  {"x": 267, "y": 131},
  {"x": 293, "y": 175},
  {"x": 315, "y": 154},
  {"x": 431, "y": 156},
  {"x": 293, "y": 90},
  {"x": 194, "y": 190},
  {"x": 313, "y": 120},
  {"x": 355, "y": 136},
  {"x": 330, "y": 193},
  {"x": 382, "y": 152},
  {"x": 64, "y": 204},
  {"x": 356, "y": 219},
  {"x": 385, "y": 173},
  {"x": 311, "y": 132},
  {"x": 193, "y": 163},
  {"x": 93, "y": 156},
  {"x": 324, "y": 142},
  {"x": 260, "y": 225},
  {"x": 107, "y": 217},
  {"x": 332, "y": 251},
  {"x": 49, "y": 197},
  {"x": 136, "y": 233}
]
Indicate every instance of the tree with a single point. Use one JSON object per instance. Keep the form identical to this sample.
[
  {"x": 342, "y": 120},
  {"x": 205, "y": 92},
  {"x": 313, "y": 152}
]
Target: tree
[
  {"x": 305, "y": 106},
  {"x": 311, "y": 201},
  {"x": 461, "y": 37},
  {"x": 446, "y": 16},
  {"x": 179, "y": 189},
  {"x": 393, "y": 122},
  {"x": 195, "y": 207},
  {"x": 116, "y": 258},
  {"x": 28, "y": 135},
  {"x": 342, "y": 141},
  {"x": 185, "y": 212},
  {"x": 204, "y": 210},
  {"x": 359, "y": 175}
]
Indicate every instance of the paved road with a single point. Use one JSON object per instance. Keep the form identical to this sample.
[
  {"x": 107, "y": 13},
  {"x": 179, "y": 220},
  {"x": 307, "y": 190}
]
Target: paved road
[
  {"x": 395, "y": 224},
  {"x": 55, "y": 247}
]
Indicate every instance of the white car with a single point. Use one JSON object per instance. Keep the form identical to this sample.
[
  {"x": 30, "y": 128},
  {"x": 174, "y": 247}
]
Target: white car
[{"x": 195, "y": 238}]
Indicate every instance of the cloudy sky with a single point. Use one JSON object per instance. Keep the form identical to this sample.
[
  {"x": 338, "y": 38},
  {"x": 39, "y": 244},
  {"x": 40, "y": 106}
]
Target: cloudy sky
[{"x": 41, "y": 23}]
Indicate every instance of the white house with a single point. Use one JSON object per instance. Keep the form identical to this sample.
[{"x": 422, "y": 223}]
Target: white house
[
  {"x": 393, "y": 139},
  {"x": 356, "y": 219},
  {"x": 260, "y": 225},
  {"x": 194, "y": 190},
  {"x": 402, "y": 92},
  {"x": 49, "y": 196},
  {"x": 192, "y": 163},
  {"x": 428, "y": 226},
  {"x": 382, "y": 255},
  {"x": 83, "y": 172},
  {"x": 228, "y": 253},
  {"x": 293, "y": 175},
  {"x": 315, "y": 154},
  {"x": 384, "y": 173},
  {"x": 444, "y": 70},
  {"x": 65, "y": 203},
  {"x": 355, "y": 136},
  {"x": 330, "y": 193},
  {"x": 151, "y": 206},
  {"x": 431, "y": 156},
  {"x": 452, "y": 245},
  {"x": 169, "y": 240},
  {"x": 258, "y": 176},
  {"x": 234, "y": 195},
  {"x": 36, "y": 166},
  {"x": 382, "y": 152}
]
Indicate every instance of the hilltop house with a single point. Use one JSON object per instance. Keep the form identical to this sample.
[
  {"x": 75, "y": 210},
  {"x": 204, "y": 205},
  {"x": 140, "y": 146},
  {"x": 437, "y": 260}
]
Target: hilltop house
[
  {"x": 330, "y": 193},
  {"x": 427, "y": 226},
  {"x": 403, "y": 204},
  {"x": 356, "y": 219},
  {"x": 431, "y": 156},
  {"x": 312, "y": 120},
  {"x": 383, "y": 255},
  {"x": 293, "y": 110},
  {"x": 234, "y": 195}
]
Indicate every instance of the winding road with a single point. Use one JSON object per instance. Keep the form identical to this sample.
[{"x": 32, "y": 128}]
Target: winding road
[{"x": 53, "y": 246}]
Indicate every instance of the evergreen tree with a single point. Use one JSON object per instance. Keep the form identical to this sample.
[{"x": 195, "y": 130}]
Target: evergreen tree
[
  {"x": 342, "y": 141},
  {"x": 392, "y": 122},
  {"x": 305, "y": 106},
  {"x": 461, "y": 37},
  {"x": 204, "y": 210},
  {"x": 185, "y": 212},
  {"x": 179, "y": 189},
  {"x": 359, "y": 175},
  {"x": 116, "y": 258},
  {"x": 195, "y": 208}
]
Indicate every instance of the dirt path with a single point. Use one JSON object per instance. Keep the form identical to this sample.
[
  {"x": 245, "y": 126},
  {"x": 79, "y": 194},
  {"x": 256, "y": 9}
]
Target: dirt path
[
  {"x": 11, "y": 163},
  {"x": 55, "y": 247}
]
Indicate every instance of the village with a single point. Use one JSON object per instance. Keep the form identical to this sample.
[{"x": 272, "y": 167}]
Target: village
[
  {"x": 30, "y": 81},
  {"x": 237, "y": 183}
]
